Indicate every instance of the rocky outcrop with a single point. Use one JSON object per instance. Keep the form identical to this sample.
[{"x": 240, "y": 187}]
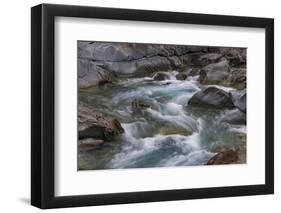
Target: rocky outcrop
[
  {"x": 212, "y": 98},
  {"x": 102, "y": 61},
  {"x": 93, "y": 124}
]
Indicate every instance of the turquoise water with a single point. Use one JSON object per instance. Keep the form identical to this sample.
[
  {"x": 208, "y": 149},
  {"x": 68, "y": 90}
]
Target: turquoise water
[{"x": 168, "y": 133}]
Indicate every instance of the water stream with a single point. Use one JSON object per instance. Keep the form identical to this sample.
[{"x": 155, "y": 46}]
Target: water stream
[{"x": 167, "y": 133}]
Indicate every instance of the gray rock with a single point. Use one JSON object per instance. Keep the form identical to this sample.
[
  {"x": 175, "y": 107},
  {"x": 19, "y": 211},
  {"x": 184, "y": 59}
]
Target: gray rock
[
  {"x": 91, "y": 74},
  {"x": 211, "y": 97},
  {"x": 181, "y": 76},
  {"x": 237, "y": 78},
  {"x": 96, "y": 125},
  {"x": 215, "y": 73},
  {"x": 239, "y": 99},
  {"x": 235, "y": 117}
]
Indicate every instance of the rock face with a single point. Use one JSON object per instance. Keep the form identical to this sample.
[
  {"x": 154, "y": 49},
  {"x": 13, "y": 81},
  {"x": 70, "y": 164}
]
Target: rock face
[
  {"x": 93, "y": 124},
  {"x": 211, "y": 97},
  {"x": 102, "y": 61}
]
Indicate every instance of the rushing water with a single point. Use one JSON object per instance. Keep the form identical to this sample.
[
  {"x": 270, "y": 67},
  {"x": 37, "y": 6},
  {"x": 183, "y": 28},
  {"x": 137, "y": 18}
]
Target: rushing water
[{"x": 168, "y": 133}]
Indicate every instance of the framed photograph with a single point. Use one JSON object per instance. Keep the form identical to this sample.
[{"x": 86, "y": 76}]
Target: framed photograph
[{"x": 139, "y": 106}]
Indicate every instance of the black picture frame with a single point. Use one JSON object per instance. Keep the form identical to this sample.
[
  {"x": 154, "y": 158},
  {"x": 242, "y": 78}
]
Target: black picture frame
[{"x": 43, "y": 102}]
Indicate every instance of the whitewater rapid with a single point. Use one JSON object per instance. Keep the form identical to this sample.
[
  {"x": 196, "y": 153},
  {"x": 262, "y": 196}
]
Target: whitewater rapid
[{"x": 143, "y": 144}]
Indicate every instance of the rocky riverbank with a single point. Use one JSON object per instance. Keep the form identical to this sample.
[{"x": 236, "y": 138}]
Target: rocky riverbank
[{"x": 135, "y": 95}]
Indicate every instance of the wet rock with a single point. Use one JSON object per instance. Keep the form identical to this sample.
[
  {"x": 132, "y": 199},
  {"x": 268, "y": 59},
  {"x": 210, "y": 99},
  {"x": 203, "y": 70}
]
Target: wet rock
[
  {"x": 139, "y": 105},
  {"x": 227, "y": 156},
  {"x": 235, "y": 117},
  {"x": 90, "y": 143},
  {"x": 212, "y": 98},
  {"x": 239, "y": 99},
  {"x": 161, "y": 76},
  {"x": 181, "y": 76},
  {"x": 96, "y": 125}
]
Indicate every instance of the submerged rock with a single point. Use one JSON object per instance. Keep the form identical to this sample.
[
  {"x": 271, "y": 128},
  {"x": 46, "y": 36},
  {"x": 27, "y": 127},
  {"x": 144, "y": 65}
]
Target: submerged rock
[
  {"x": 174, "y": 131},
  {"x": 211, "y": 97},
  {"x": 96, "y": 125},
  {"x": 235, "y": 117},
  {"x": 239, "y": 99}
]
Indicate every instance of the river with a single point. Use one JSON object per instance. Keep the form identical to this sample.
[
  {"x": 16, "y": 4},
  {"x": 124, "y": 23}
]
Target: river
[{"x": 168, "y": 133}]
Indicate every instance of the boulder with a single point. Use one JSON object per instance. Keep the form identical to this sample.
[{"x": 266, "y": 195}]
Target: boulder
[
  {"x": 221, "y": 74},
  {"x": 239, "y": 99},
  {"x": 235, "y": 56},
  {"x": 181, "y": 76},
  {"x": 211, "y": 97},
  {"x": 210, "y": 58},
  {"x": 227, "y": 156},
  {"x": 96, "y": 125},
  {"x": 215, "y": 73},
  {"x": 161, "y": 76},
  {"x": 237, "y": 78}
]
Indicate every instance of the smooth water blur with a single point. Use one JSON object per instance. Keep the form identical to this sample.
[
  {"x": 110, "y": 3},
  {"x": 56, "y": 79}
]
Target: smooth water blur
[{"x": 166, "y": 134}]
